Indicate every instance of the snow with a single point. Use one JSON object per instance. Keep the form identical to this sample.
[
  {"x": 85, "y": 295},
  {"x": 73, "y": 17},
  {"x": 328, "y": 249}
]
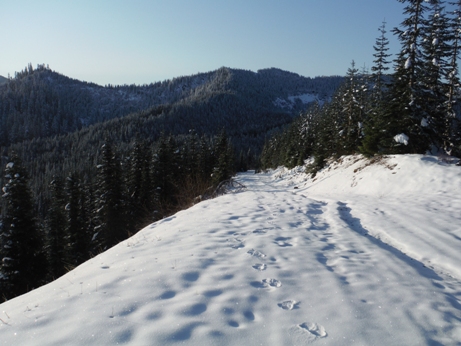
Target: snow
[
  {"x": 363, "y": 254},
  {"x": 291, "y": 100},
  {"x": 401, "y": 138},
  {"x": 10, "y": 165},
  {"x": 408, "y": 63},
  {"x": 304, "y": 98}
]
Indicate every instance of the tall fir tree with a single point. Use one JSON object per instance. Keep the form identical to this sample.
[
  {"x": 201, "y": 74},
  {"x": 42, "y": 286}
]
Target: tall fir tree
[
  {"x": 373, "y": 124},
  {"x": 164, "y": 171},
  {"x": 77, "y": 225},
  {"x": 23, "y": 260},
  {"x": 403, "y": 116},
  {"x": 111, "y": 227},
  {"x": 454, "y": 84},
  {"x": 380, "y": 65},
  {"x": 141, "y": 195},
  {"x": 436, "y": 52},
  {"x": 55, "y": 226},
  {"x": 224, "y": 167}
]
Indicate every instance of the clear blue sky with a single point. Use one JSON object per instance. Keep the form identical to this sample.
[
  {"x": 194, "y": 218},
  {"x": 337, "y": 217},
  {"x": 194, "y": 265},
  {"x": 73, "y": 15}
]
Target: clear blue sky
[{"x": 144, "y": 41}]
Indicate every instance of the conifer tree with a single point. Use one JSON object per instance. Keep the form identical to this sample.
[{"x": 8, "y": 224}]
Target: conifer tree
[
  {"x": 403, "y": 125},
  {"x": 164, "y": 171},
  {"x": 436, "y": 52},
  {"x": 381, "y": 65},
  {"x": 139, "y": 187},
  {"x": 453, "y": 82},
  {"x": 23, "y": 261},
  {"x": 77, "y": 227},
  {"x": 110, "y": 219},
  {"x": 373, "y": 124},
  {"x": 56, "y": 231},
  {"x": 224, "y": 168}
]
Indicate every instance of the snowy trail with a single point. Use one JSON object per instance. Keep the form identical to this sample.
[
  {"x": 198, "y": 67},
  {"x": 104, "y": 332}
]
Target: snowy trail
[
  {"x": 371, "y": 280},
  {"x": 267, "y": 266}
]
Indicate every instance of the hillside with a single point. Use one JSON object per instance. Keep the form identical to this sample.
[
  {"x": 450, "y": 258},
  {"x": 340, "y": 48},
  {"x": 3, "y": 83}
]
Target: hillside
[
  {"x": 40, "y": 103},
  {"x": 366, "y": 253}
]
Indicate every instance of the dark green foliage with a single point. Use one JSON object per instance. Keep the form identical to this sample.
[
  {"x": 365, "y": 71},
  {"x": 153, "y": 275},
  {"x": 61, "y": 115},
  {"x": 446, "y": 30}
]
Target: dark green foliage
[
  {"x": 110, "y": 221},
  {"x": 141, "y": 195},
  {"x": 23, "y": 261},
  {"x": 165, "y": 169},
  {"x": 223, "y": 152},
  {"x": 55, "y": 222},
  {"x": 78, "y": 208}
]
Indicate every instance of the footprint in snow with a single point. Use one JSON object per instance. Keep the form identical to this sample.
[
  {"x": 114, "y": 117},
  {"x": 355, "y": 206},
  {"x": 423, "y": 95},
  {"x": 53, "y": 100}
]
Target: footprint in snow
[
  {"x": 260, "y": 267},
  {"x": 237, "y": 243},
  {"x": 256, "y": 253},
  {"x": 306, "y": 333},
  {"x": 283, "y": 241},
  {"x": 272, "y": 283},
  {"x": 237, "y": 246},
  {"x": 260, "y": 231},
  {"x": 289, "y": 305}
]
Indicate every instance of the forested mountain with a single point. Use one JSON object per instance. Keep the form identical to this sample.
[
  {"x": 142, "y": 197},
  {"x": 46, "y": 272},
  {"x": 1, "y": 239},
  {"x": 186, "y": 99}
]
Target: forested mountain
[
  {"x": 39, "y": 102},
  {"x": 3, "y": 80}
]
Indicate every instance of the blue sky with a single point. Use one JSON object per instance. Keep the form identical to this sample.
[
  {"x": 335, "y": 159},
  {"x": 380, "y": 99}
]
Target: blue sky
[{"x": 144, "y": 41}]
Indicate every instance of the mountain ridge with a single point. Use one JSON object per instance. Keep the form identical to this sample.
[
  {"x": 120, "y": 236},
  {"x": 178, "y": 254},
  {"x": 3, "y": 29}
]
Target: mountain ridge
[{"x": 42, "y": 102}]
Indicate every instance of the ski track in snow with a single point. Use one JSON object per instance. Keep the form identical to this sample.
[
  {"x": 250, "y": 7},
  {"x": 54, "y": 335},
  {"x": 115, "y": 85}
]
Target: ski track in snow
[{"x": 269, "y": 266}]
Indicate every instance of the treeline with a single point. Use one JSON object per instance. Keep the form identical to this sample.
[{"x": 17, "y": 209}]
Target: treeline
[
  {"x": 85, "y": 216},
  {"x": 412, "y": 110}
]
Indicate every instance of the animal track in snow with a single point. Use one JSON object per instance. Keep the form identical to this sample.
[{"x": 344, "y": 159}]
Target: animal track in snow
[
  {"x": 237, "y": 246},
  {"x": 283, "y": 241},
  {"x": 289, "y": 305},
  {"x": 260, "y": 231},
  {"x": 237, "y": 243},
  {"x": 306, "y": 333},
  {"x": 316, "y": 330},
  {"x": 260, "y": 266},
  {"x": 272, "y": 283},
  {"x": 256, "y": 253}
]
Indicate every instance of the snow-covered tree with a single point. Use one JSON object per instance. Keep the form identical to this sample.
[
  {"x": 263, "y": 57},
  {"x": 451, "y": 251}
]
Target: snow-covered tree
[
  {"x": 111, "y": 227},
  {"x": 23, "y": 261},
  {"x": 403, "y": 113},
  {"x": 437, "y": 49}
]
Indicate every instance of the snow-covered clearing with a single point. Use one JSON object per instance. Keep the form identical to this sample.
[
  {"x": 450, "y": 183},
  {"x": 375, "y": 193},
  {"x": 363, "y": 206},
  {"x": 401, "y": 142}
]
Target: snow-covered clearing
[{"x": 361, "y": 255}]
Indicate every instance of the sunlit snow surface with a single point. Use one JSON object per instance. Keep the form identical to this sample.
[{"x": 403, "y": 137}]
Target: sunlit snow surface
[{"x": 361, "y": 255}]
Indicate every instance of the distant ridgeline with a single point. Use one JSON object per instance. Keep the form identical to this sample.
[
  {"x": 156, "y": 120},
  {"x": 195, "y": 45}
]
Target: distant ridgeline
[{"x": 39, "y": 103}]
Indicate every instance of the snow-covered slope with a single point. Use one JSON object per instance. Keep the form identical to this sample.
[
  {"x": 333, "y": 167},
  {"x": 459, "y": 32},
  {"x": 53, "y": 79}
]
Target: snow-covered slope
[{"x": 361, "y": 255}]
